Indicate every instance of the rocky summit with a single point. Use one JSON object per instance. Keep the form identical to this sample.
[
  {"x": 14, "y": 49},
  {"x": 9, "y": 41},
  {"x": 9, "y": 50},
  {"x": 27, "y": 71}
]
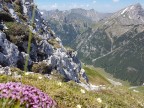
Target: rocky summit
[{"x": 19, "y": 21}]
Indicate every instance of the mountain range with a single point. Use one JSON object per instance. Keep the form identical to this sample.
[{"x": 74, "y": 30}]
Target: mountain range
[{"x": 113, "y": 41}]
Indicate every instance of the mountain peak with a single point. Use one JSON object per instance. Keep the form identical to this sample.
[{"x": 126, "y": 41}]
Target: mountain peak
[
  {"x": 135, "y": 12},
  {"x": 137, "y": 5}
]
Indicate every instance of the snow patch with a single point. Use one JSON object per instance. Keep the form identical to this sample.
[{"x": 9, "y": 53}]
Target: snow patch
[
  {"x": 130, "y": 17},
  {"x": 42, "y": 13},
  {"x": 132, "y": 7},
  {"x": 124, "y": 11},
  {"x": 124, "y": 16}
]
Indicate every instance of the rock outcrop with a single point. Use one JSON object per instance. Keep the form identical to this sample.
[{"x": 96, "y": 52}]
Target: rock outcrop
[{"x": 45, "y": 45}]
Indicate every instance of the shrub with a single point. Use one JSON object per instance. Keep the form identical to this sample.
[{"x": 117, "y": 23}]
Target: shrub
[
  {"x": 54, "y": 43},
  {"x": 42, "y": 68},
  {"x": 5, "y": 16},
  {"x": 41, "y": 31},
  {"x": 7, "y": 1},
  {"x": 22, "y": 17},
  {"x": 18, "y": 6},
  {"x": 58, "y": 77},
  {"x": 69, "y": 49},
  {"x": 24, "y": 96},
  {"x": 17, "y": 70},
  {"x": 38, "y": 38},
  {"x": 5, "y": 8},
  {"x": 17, "y": 32}
]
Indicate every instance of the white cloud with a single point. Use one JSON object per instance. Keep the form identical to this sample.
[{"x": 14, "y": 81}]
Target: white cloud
[
  {"x": 87, "y": 5},
  {"x": 94, "y": 1},
  {"x": 115, "y": 0}
]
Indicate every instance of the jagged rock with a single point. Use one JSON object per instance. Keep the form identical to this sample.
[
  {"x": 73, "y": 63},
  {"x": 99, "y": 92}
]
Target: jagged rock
[
  {"x": 9, "y": 52},
  {"x": 83, "y": 75},
  {"x": 68, "y": 68},
  {"x": 45, "y": 50},
  {"x": 23, "y": 58},
  {"x": 41, "y": 50},
  {"x": 5, "y": 70}
]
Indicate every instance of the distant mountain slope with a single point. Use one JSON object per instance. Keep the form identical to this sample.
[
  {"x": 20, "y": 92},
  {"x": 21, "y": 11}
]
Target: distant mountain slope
[
  {"x": 60, "y": 15},
  {"x": 69, "y": 24},
  {"x": 126, "y": 62},
  {"x": 116, "y": 44},
  {"x": 103, "y": 42}
]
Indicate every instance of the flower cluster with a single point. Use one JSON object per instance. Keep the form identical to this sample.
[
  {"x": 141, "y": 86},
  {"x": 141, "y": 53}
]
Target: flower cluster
[
  {"x": 82, "y": 91},
  {"x": 28, "y": 95},
  {"x": 99, "y": 100}
]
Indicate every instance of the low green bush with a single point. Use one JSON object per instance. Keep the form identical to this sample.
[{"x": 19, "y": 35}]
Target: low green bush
[
  {"x": 5, "y": 8},
  {"x": 17, "y": 32},
  {"x": 8, "y": 1},
  {"x": 22, "y": 17},
  {"x": 54, "y": 43},
  {"x": 6, "y": 16},
  {"x": 41, "y": 68},
  {"x": 18, "y": 6}
]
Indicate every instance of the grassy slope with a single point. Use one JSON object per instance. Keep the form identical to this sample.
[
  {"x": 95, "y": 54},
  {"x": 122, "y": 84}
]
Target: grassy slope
[
  {"x": 68, "y": 95},
  {"x": 110, "y": 76},
  {"x": 139, "y": 88},
  {"x": 95, "y": 76}
]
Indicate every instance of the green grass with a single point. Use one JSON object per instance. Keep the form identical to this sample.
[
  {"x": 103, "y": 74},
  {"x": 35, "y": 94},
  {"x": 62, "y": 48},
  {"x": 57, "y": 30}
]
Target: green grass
[
  {"x": 110, "y": 76},
  {"x": 95, "y": 76},
  {"x": 140, "y": 88},
  {"x": 68, "y": 95}
]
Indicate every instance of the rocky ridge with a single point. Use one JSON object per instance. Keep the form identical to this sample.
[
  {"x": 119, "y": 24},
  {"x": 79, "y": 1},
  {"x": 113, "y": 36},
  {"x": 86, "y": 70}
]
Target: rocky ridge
[{"x": 45, "y": 46}]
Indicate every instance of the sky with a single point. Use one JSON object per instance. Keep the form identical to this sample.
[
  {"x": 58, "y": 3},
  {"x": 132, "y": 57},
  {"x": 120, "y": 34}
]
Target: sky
[{"x": 98, "y": 5}]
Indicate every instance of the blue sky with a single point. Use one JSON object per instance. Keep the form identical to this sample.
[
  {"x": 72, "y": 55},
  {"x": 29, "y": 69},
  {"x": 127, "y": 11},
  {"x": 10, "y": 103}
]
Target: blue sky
[{"x": 98, "y": 5}]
